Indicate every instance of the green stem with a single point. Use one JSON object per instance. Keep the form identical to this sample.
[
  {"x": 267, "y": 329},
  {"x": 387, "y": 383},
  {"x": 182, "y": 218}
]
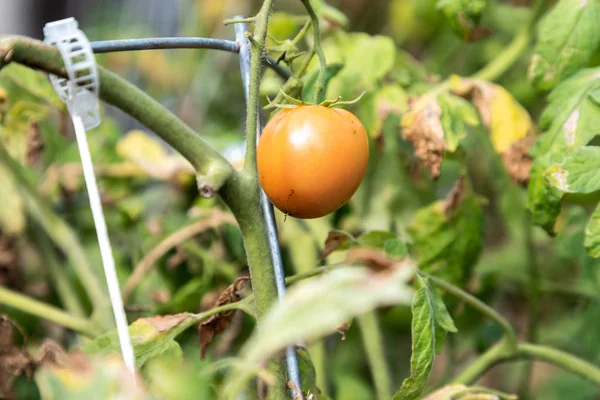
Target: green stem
[
  {"x": 256, "y": 53},
  {"x": 374, "y": 347},
  {"x": 125, "y": 96},
  {"x": 62, "y": 284},
  {"x": 487, "y": 360},
  {"x": 562, "y": 359},
  {"x": 533, "y": 300},
  {"x": 64, "y": 237},
  {"x": 502, "y": 352},
  {"x": 34, "y": 307},
  {"x": 320, "y": 83},
  {"x": 504, "y": 60},
  {"x": 480, "y": 306}
]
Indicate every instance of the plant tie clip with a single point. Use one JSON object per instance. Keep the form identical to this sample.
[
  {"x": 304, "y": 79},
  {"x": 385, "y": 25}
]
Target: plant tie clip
[{"x": 80, "y": 94}]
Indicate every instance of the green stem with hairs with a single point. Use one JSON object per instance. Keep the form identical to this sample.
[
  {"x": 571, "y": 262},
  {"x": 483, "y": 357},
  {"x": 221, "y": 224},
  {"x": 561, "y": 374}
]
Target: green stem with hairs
[
  {"x": 372, "y": 339},
  {"x": 42, "y": 310},
  {"x": 320, "y": 83}
]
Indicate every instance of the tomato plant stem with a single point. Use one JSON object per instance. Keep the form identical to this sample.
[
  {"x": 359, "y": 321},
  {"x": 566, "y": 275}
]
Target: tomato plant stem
[
  {"x": 501, "y": 352},
  {"x": 373, "y": 341},
  {"x": 533, "y": 300},
  {"x": 31, "y": 306},
  {"x": 212, "y": 168},
  {"x": 320, "y": 83},
  {"x": 480, "y": 306}
]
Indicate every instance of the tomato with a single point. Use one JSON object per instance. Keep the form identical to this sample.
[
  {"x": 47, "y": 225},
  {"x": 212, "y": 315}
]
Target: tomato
[{"x": 311, "y": 159}]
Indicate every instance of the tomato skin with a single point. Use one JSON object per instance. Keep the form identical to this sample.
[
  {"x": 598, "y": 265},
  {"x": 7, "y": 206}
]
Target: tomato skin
[{"x": 311, "y": 159}]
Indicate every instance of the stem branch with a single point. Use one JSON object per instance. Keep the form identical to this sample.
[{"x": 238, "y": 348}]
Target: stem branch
[
  {"x": 320, "y": 83},
  {"x": 31, "y": 306},
  {"x": 373, "y": 342}
]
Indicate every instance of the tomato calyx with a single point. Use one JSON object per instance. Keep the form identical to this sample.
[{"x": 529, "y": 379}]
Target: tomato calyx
[{"x": 293, "y": 102}]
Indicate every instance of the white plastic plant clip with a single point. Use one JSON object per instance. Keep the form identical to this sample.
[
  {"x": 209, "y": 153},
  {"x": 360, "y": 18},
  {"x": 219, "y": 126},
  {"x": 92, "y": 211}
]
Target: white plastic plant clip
[{"x": 80, "y": 94}]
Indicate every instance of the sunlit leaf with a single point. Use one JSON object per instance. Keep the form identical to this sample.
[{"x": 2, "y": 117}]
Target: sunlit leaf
[
  {"x": 150, "y": 337},
  {"x": 567, "y": 41},
  {"x": 12, "y": 213},
  {"x": 151, "y": 157},
  {"x": 316, "y": 307},
  {"x": 576, "y": 172},
  {"x": 89, "y": 378}
]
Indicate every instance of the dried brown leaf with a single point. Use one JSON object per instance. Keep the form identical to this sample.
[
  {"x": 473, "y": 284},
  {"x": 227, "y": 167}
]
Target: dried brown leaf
[
  {"x": 446, "y": 392},
  {"x": 423, "y": 128},
  {"x": 297, "y": 392},
  {"x": 376, "y": 259},
  {"x": 164, "y": 323},
  {"x": 34, "y": 143},
  {"x": 343, "y": 329},
  {"x": 334, "y": 241},
  {"x": 50, "y": 352},
  {"x": 14, "y": 360},
  {"x": 517, "y": 160},
  {"x": 216, "y": 324},
  {"x": 9, "y": 262}
]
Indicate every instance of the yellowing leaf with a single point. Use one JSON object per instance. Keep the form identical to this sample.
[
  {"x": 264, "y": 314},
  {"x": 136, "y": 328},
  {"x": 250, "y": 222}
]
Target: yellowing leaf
[
  {"x": 507, "y": 120},
  {"x": 151, "y": 157},
  {"x": 12, "y": 214}
]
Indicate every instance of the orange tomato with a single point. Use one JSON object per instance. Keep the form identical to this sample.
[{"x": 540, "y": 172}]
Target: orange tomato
[{"x": 311, "y": 159}]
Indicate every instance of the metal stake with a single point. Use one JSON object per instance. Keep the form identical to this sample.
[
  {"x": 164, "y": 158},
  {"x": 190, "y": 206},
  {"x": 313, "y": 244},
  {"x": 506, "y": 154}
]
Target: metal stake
[{"x": 267, "y": 207}]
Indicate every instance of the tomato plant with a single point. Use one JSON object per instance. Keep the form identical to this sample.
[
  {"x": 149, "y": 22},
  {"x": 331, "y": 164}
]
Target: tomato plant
[{"x": 467, "y": 168}]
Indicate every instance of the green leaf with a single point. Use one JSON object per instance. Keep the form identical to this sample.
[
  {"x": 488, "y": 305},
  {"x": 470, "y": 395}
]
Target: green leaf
[
  {"x": 423, "y": 346},
  {"x": 572, "y": 119},
  {"x": 171, "y": 378},
  {"x": 309, "y": 81},
  {"x": 151, "y": 337},
  {"x": 543, "y": 200},
  {"x": 577, "y": 172},
  {"x": 430, "y": 323},
  {"x": 457, "y": 114},
  {"x": 592, "y": 234},
  {"x": 464, "y": 15},
  {"x": 448, "y": 237},
  {"x": 395, "y": 248},
  {"x": 376, "y": 239},
  {"x": 377, "y": 59},
  {"x": 32, "y": 81},
  {"x": 567, "y": 41},
  {"x": 376, "y": 106},
  {"x": 572, "y": 116},
  {"x": 317, "y": 307},
  {"x": 308, "y": 374}
]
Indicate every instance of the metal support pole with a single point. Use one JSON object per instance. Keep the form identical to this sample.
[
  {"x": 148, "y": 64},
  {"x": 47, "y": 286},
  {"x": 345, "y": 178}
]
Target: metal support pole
[{"x": 267, "y": 207}]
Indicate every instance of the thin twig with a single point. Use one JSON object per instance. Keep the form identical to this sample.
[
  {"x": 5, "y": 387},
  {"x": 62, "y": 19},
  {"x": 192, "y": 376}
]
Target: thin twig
[{"x": 214, "y": 219}]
